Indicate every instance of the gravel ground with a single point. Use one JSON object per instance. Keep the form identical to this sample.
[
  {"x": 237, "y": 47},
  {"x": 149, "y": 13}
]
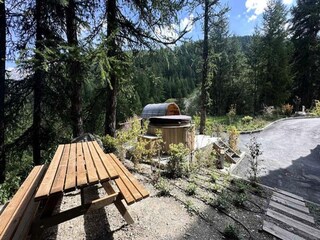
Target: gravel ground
[{"x": 178, "y": 216}]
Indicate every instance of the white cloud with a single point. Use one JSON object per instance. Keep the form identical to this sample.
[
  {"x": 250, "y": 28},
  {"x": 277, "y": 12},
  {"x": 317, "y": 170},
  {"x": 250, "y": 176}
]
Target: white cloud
[
  {"x": 258, "y": 6},
  {"x": 252, "y": 18},
  {"x": 171, "y": 32},
  {"x": 287, "y": 2}
]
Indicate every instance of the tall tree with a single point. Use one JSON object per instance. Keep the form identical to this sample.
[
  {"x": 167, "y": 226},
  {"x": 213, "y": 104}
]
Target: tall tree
[
  {"x": 306, "y": 56},
  {"x": 141, "y": 31},
  {"x": 2, "y": 86},
  {"x": 75, "y": 71},
  {"x": 205, "y": 53},
  {"x": 276, "y": 73}
]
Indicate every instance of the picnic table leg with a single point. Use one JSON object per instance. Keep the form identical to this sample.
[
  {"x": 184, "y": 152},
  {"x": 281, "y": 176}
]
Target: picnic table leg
[
  {"x": 45, "y": 210},
  {"x": 118, "y": 203}
]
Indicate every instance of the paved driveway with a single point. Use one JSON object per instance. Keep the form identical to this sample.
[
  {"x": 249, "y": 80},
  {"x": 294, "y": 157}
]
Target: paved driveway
[{"x": 291, "y": 157}]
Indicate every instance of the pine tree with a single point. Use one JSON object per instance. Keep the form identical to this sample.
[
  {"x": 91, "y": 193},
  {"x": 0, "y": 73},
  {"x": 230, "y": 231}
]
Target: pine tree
[
  {"x": 306, "y": 57},
  {"x": 3, "y": 24},
  {"x": 276, "y": 72}
]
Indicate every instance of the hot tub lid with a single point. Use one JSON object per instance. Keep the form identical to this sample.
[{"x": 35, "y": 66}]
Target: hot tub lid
[{"x": 172, "y": 119}]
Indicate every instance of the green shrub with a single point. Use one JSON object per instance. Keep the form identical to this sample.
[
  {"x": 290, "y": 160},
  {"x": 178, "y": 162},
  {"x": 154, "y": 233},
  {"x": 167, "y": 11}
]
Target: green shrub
[
  {"x": 109, "y": 143},
  {"x": 315, "y": 111},
  {"x": 246, "y": 119},
  {"x": 232, "y": 113},
  {"x": 163, "y": 186},
  {"x": 233, "y": 138},
  {"x": 231, "y": 232},
  {"x": 191, "y": 189},
  {"x": 239, "y": 199},
  {"x": 177, "y": 165},
  {"x": 214, "y": 177}
]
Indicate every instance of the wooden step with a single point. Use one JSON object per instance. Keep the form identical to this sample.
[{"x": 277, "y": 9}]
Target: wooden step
[
  {"x": 279, "y": 232},
  {"x": 291, "y": 211},
  {"x": 290, "y": 204},
  {"x": 285, "y": 197},
  {"x": 294, "y": 223},
  {"x": 289, "y": 194}
]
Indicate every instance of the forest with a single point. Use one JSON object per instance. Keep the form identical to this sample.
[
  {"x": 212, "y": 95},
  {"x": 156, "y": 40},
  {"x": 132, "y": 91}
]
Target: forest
[{"x": 86, "y": 66}]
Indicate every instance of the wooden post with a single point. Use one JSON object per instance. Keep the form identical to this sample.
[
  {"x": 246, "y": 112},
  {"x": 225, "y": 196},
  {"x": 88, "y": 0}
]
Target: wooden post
[{"x": 220, "y": 159}]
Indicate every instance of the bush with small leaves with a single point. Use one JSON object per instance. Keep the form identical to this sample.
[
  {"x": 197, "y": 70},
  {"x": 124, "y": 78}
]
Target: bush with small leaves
[
  {"x": 232, "y": 113},
  {"x": 239, "y": 199},
  {"x": 255, "y": 152},
  {"x": 191, "y": 189},
  {"x": 233, "y": 138},
  {"x": 246, "y": 119},
  {"x": 231, "y": 232},
  {"x": 163, "y": 186},
  {"x": 287, "y": 109},
  {"x": 214, "y": 177},
  {"x": 177, "y": 165}
]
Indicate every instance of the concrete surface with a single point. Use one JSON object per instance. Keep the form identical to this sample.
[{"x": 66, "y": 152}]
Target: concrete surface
[{"x": 291, "y": 157}]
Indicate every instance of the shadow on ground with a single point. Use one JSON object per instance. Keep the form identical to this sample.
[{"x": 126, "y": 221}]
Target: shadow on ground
[{"x": 301, "y": 178}]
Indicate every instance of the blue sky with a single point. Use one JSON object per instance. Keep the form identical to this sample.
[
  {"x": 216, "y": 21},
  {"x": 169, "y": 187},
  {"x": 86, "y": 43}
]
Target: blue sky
[{"x": 243, "y": 16}]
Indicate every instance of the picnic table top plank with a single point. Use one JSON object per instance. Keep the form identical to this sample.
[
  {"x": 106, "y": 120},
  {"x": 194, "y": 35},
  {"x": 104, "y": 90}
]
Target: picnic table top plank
[
  {"x": 46, "y": 184},
  {"x": 111, "y": 171},
  {"x": 81, "y": 169},
  {"x": 102, "y": 172},
  {"x": 135, "y": 182},
  {"x": 59, "y": 180},
  {"x": 91, "y": 169},
  {"x": 17, "y": 205},
  {"x": 71, "y": 170}
]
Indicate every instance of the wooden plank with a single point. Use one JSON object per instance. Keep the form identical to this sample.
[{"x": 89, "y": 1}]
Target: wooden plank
[
  {"x": 81, "y": 168},
  {"x": 91, "y": 169},
  {"x": 47, "y": 181},
  {"x": 71, "y": 169},
  {"x": 109, "y": 167},
  {"x": 102, "y": 172},
  {"x": 12, "y": 215},
  {"x": 118, "y": 203},
  {"x": 294, "y": 223},
  {"x": 279, "y": 232},
  {"x": 124, "y": 191},
  {"x": 290, "y": 204},
  {"x": 289, "y": 194},
  {"x": 128, "y": 184},
  {"x": 296, "y": 201},
  {"x": 59, "y": 180},
  {"x": 291, "y": 211},
  {"x": 134, "y": 181}
]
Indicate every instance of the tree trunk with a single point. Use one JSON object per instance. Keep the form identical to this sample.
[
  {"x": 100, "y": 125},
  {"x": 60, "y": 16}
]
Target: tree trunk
[
  {"x": 203, "y": 96},
  {"x": 37, "y": 83},
  {"x": 111, "y": 106},
  {"x": 2, "y": 86},
  {"x": 74, "y": 71}
]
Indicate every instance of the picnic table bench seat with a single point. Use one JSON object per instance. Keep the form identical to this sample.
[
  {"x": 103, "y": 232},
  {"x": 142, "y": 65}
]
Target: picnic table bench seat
[
  {"x": 131, "y": 190},
  {"x": 16, "y": 218}
]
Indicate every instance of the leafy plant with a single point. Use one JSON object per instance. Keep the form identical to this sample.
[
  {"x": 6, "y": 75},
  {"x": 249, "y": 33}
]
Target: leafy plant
[
  {"x": 255, "y": 152},
  {"x": 315, "y": 111},
  {"x": 214, "y": 177},
  {"x": 287, "y": 109},
  {"x": 239, "y": 199},
  {"x": 163, "y": 186},
  {"x": 222, "y": 203},
  {"x": 177, "y": 165},
  {"x": 233, "y": 138},
  {"x": 232, "y": 113},
  {"x": 216, "y": 187},
  {"x": 231, "y": 232},
  {"x": 246, "y": 119},
  {"x": 191, "y": 189},
  {"x": 189, "y": 205}
]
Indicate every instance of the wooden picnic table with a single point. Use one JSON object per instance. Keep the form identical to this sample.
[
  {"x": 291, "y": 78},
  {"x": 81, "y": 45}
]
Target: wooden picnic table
[{"x": 77, "y": 166}]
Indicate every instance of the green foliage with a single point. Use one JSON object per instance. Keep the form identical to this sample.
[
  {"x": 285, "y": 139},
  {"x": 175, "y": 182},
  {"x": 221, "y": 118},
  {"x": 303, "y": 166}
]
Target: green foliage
[
  {"x": 191, "y": 189},
  {"x": 232, "y": 113},
  {"x": 222, "y": 203},
  {"x": 246, "y": 119},
  {"x": 255, "y": 152},
  {"x": 109, "y": 143},
  {"x": 189, "y": 205},
  {"x": 233, "y": 138},
  {"x": 287, "y": 109},
  {"x": 213, "y": 177},
  {"x": 231, "y": 232},
  {"x": 240, "y": 199},
  {"x": 316, "y": 110},
  {"x": 163, "y": 186},
  {"x": 177, "y": 165}
]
